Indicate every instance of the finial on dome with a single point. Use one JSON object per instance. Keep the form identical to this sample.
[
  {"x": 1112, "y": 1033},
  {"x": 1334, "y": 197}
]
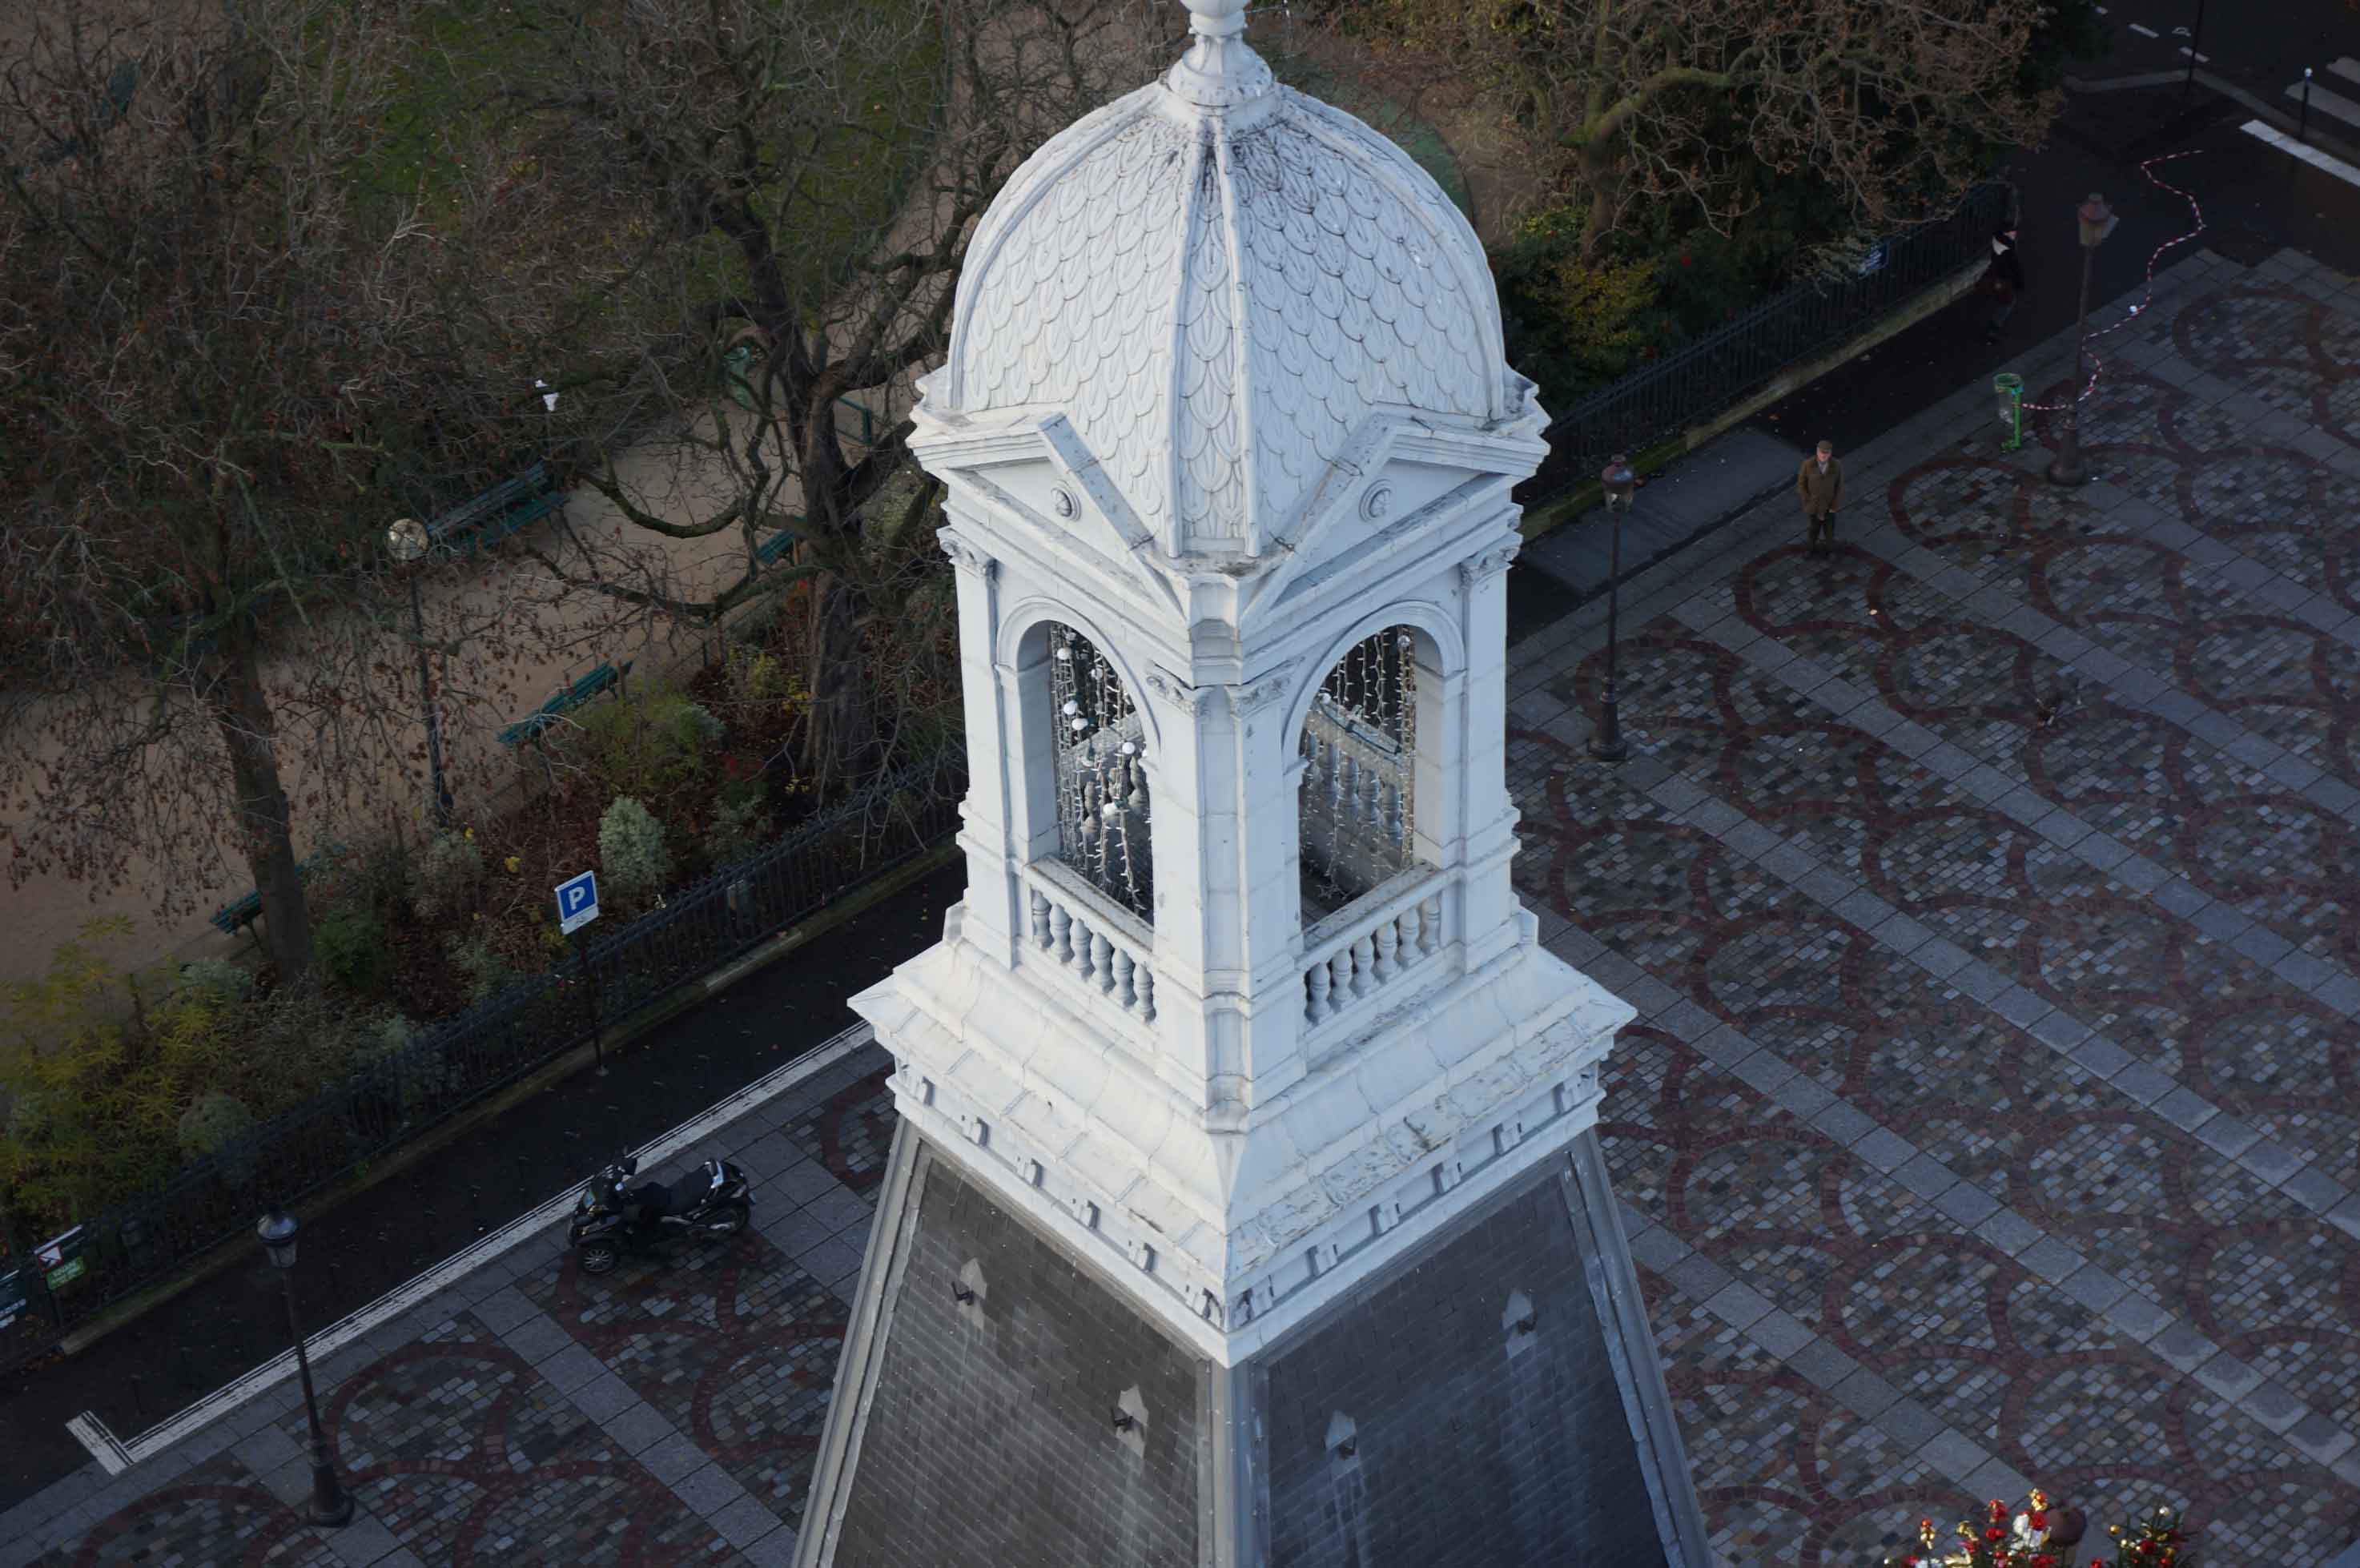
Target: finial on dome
[
  {"x": 1218, "y": 70},
  {"x": 1217, "y": 19}
]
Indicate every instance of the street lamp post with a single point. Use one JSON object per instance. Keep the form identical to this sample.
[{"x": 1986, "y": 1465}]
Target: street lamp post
[
  {"x": 2097, "y": 221},
  {"x": 1618, "y": 481},
  {"x": 330, "y": 1504},
  {"x": 408, "y": 540}
]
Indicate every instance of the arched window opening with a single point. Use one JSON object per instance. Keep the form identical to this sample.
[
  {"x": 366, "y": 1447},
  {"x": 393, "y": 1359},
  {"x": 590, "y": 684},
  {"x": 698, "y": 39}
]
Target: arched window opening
[
  {"x": 1101, "y": 773},
  {"x": 1359, "y": 747}
]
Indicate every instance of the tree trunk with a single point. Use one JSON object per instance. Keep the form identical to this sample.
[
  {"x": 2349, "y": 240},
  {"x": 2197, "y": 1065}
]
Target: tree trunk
[
  {"x": 840, "y": 732},
  {"x": 266, "y": 828},
  {"x": 1601, "y": 174}
]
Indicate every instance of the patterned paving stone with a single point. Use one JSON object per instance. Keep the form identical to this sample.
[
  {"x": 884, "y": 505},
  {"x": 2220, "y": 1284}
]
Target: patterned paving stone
[
  {"x": 851, "y": 1131},
  {"x": 2083, "y": 941},
  {"x": 216, "y": 1512},
  {"x": 736, "y": 1348}
]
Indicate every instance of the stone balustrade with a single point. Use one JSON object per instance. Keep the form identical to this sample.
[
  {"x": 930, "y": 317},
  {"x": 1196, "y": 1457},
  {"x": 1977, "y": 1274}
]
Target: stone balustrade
[
  {"x": 1362, "y": 949},
  {"x": 1081, "y": 933}
]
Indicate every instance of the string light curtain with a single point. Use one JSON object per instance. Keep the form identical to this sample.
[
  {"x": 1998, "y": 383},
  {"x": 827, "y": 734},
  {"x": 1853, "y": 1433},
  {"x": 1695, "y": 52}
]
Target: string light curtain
[
  {"x": 1359, "y": 747},
  {"x": 1102, "y": 804}
]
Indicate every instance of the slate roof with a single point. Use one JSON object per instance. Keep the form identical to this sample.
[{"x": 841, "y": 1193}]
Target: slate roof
[{"x": 1483, "y": 1401}]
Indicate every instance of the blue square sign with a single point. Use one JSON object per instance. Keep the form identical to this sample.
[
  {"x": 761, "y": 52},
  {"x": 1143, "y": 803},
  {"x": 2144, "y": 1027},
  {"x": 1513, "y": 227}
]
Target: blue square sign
[{"x": 577, "y": 902}]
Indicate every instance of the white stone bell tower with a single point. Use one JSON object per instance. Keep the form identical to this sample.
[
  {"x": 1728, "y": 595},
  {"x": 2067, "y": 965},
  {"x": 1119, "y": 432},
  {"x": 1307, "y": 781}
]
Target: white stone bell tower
[{"x": 1239, "y": 1025}]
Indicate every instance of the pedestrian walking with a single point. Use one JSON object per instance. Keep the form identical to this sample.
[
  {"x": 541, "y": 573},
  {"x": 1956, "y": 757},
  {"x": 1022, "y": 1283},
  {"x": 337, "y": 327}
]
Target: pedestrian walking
[
  {"x": 1820, "y": 486},
  {"x": 2005, "y": 278}
]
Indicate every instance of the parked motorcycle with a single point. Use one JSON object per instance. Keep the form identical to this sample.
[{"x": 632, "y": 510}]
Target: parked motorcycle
[{"x": 713, "y": 1200}]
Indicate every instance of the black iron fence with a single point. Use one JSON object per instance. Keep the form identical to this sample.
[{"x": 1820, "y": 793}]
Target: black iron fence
[
  {"x": 1718, "y": 372},
  {"x": 51, "y": 1287}
]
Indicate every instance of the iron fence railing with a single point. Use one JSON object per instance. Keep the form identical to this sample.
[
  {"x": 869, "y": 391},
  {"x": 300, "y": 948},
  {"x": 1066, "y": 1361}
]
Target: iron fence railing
[
  {"x": 148, "y": 1238},
  {"x": 1722, "y": 369}
]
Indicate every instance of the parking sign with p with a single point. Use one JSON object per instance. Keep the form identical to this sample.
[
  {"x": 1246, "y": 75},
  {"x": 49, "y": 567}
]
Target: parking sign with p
[{"x": 577, "y": 902}]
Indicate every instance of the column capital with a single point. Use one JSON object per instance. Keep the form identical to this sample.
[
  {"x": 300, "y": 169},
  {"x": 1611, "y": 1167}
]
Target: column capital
[
  {"x": 1491, "y": 564},
  {"x": 968, "y": 559}
]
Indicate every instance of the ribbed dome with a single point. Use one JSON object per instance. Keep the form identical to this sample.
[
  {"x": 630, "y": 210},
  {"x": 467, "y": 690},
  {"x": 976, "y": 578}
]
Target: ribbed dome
[{"x": 1217, "y": 279}]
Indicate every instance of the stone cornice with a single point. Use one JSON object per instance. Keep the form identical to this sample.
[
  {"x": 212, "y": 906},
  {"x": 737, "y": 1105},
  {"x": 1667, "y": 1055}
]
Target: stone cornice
[{"x": 1013, "y": 1078}]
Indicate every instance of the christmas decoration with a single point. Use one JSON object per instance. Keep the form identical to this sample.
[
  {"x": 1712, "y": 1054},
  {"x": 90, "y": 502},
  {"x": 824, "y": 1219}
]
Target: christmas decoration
[{"x": 2043, "y": 1535}]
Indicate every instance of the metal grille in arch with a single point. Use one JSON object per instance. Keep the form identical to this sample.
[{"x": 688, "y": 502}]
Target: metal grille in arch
[
  {"x": 1101, "y": 773},
  {"x": 1360, "y": 744}
]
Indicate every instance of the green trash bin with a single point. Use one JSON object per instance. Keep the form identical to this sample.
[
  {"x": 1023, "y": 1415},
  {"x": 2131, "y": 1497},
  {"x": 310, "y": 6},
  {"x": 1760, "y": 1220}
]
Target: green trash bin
[{"x": 2010, "y": 388}]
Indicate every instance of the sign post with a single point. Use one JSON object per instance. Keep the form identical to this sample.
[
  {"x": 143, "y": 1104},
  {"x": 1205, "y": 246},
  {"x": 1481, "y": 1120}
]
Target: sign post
[{"x": 577, "y": 906}]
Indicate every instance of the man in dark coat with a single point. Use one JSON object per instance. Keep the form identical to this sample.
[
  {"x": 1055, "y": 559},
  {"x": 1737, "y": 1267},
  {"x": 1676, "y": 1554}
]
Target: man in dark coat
[
  {"x": 2004, "y": 278},
  {"x": 1819, "y": 484}
]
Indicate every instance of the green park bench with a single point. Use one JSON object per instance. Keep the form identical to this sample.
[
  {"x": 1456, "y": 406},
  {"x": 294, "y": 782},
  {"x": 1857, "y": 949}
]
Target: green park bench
[
  {"x": 498, "y": 512},
  {"x": 240, "y": 913},
  {"x": 605, "y": 678},
  {"x": 778, "y": 547}
]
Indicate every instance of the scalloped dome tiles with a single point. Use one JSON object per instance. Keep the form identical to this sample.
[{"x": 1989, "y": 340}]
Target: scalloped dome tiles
[{"x": 1217, "y": 293}]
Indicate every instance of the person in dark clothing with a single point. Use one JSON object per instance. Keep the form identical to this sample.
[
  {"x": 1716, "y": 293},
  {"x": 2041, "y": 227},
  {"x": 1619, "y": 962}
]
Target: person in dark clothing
[
  {"x": 2005, "y": 278},
  {"x": 1820, "y": 485}
]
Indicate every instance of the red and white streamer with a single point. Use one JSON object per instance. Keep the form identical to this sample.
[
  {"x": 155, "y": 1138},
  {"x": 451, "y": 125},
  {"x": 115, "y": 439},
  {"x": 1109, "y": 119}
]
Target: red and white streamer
[{"x": 2146, "y": 297}]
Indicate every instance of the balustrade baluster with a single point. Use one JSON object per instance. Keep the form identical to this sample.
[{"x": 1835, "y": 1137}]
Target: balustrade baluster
[
  {"x": 1315, "y": 983},
  {"x": 1385, "y": 939},
  {"x": 1122, "y": 984},
  {"x": 1082, "y": 940},
  {"x": 1369, "y": 786},
  {"x": 1061, "y": 925},
  {"x": 1340, "y": 979},
  {"x": 1364, "y": 959},
  {"x": 1410, "y": 927},
  {"x": 1338, "y": 766},
  {"x": 1102, "y": 955},
  {"x": 1146, "y": 994},
  {"x": 1395, "y": 829},
  {"x": 1347, "y": 803},
  {"x": 1040, "y": 920},
  {"x": 1430, "y": 921}
]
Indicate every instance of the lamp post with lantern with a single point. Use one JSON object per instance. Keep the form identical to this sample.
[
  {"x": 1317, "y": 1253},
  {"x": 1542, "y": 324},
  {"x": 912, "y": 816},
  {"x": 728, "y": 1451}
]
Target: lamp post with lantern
[
  {"x": 409, "y": 542},
  {"x": 330, "y": 1504},
  {"x": 1619, "y": 482},
  {"x": 2097, "y": 220}
]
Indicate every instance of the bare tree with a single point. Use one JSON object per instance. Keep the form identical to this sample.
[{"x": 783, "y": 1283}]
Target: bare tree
[
  {"x": 1893, "y": 104},
  {"x": 219, "y": 383},
  {"x": 797, "y": 183}
]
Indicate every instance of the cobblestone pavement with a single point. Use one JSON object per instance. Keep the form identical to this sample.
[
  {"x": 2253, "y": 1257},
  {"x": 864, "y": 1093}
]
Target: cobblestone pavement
[{"x": 1988, "y": 893}]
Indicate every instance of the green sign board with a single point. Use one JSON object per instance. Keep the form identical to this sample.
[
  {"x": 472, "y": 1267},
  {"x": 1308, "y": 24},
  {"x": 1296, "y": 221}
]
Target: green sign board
[
  {"x": 61, "y": 1259},
  {"x": 16, "y": 1291}
]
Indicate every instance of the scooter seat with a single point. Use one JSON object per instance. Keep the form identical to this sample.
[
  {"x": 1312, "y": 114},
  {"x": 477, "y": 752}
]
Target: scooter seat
[{"x": 660, "y": 1200}]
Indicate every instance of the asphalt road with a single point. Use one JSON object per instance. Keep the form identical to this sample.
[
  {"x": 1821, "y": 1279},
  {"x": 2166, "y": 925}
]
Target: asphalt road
[
  {"x": 230, "y": 1323},
  {"x": 2260, "y": 48}
]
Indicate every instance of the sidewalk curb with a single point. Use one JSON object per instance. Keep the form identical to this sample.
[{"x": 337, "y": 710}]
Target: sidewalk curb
[
  {"x": 1550, "y": 516},
  {"x": 688, "y": 994}
]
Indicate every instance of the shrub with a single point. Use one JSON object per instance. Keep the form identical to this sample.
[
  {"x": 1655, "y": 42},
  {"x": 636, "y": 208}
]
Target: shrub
[
  {"x": 216, "y": 978},
  {"x": 420, "y": 1074},
  {"x": 384, "y": 876},
  {"x": 739, "y": 829},
  {"x": 446, "y": 874},
  {"x": 210, "y": 1124},
  {"x": 648, "y": 744},
  {"x": 758, "y": 675},
  {"x": 349, "y": 945},
  {"x": 631, "y": 851},
  {"x": 487, "y": 971}
]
